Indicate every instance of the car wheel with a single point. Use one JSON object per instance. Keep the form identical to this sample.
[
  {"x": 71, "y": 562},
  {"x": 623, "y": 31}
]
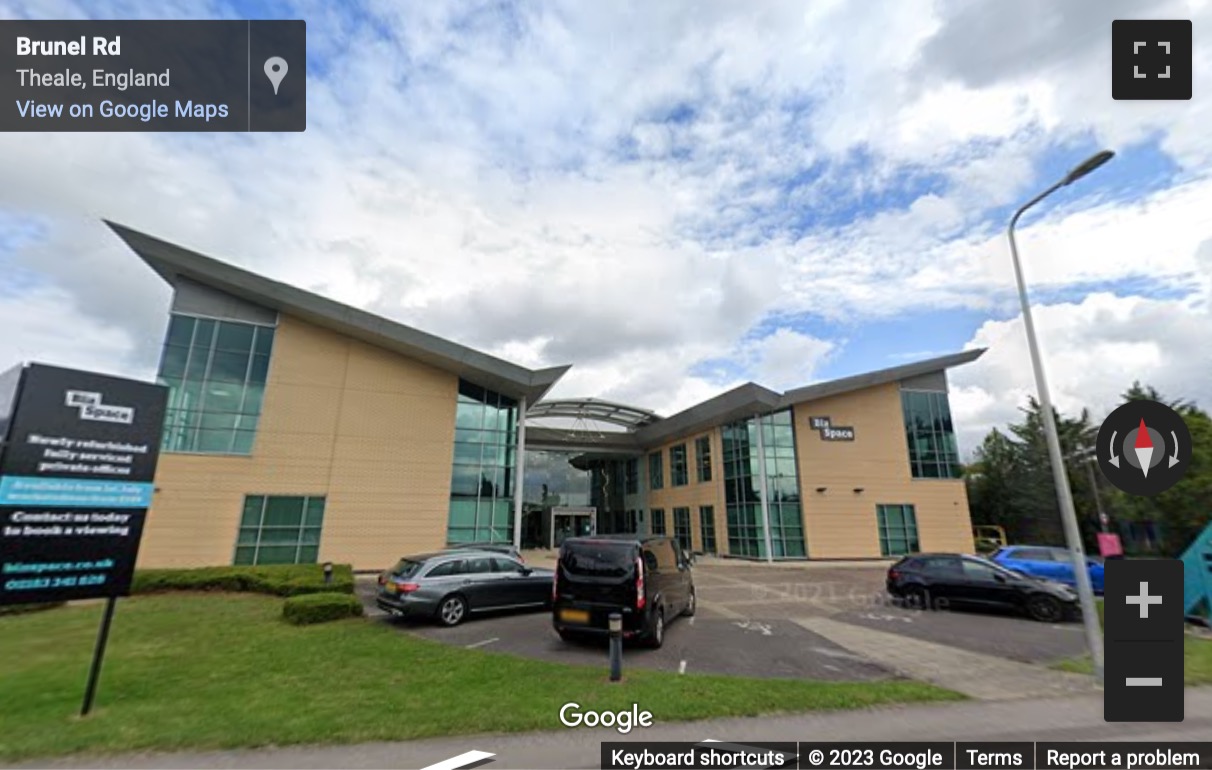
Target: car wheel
[
  {"x": 916, "y": 598},
  {"x": 691, "y": 605},
  {"x": 1046, "y": 609},
  {"x": 656, "y": 637},
  {"x": 452, "y": 610}
]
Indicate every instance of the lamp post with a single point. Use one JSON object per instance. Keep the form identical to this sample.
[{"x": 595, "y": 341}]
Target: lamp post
[{"x": 1094, "y": 639}]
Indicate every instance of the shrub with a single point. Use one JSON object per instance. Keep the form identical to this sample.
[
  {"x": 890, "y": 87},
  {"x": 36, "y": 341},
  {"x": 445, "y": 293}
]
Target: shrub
[
  {"x": 276, "y": 580},
  {"x": 21, "y": 609},
  {"x": 320, "y": 608}
]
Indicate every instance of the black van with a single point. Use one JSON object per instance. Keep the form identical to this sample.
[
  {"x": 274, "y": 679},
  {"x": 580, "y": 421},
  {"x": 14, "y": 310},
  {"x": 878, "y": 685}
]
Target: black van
[{"x": 645, "y": 578}]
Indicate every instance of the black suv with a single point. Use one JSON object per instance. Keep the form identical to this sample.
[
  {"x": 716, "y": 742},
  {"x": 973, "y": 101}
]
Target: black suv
[{"x": 645, "y": 578}]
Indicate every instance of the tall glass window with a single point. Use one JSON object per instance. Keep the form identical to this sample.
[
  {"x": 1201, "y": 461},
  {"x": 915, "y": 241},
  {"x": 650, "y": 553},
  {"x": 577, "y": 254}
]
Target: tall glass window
[
  {"x": 898, "y": 529},
  {"x": 633, "y": 476},
  {"x": 742, "y": 487},
  {"x": 679, "y": 470},
  {"x": 707, "y": 525},
  {"x": 215, "y": 372},
  {"x": 279, "y": 530},
  {"x": 656, "y": 471},
  {"x": 658, "y": 521},
  {"x": 933, "y": 452},
  {"x": 681, "y": 528},
  {"x": 702, "y": 458},
  {"x": 482, "y": 477}
]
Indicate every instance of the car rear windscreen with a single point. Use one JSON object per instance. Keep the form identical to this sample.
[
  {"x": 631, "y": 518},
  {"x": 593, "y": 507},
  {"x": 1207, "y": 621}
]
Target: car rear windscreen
[
  {"x": 601, "y": 560},
  {"x": 405, "y": 568}
]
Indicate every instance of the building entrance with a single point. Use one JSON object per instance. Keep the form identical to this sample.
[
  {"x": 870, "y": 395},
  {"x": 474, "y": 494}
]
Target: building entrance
[{"x": 572, "y": 522}]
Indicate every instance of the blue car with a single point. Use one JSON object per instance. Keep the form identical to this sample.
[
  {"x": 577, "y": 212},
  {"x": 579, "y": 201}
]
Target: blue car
[{"x": 1048, "y": 562}]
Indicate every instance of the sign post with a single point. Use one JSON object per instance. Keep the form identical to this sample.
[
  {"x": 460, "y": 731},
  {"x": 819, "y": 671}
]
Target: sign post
[{"x": 78, "y": 454}]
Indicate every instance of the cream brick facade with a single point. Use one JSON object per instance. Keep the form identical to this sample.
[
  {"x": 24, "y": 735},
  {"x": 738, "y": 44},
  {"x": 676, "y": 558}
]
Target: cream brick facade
[
  {"x": 694, "y": 493},
  {"x": 370, "y": 430},
  {"x": 841, "y": 523}
]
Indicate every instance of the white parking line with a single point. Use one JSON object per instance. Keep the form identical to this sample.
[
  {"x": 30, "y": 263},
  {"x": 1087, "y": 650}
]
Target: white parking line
[
  {"x": 481, "y": 644},
  {"x": 682, "y": 667}
]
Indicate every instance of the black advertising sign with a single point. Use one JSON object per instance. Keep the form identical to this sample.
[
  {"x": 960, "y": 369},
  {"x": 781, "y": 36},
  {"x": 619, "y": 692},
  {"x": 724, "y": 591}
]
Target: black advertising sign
[{"x": 76, "y": 479}]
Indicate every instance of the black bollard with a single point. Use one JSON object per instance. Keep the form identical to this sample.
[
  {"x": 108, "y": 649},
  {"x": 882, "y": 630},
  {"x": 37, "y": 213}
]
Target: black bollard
[
  {"x": 616, "y": 646},
  {"x": 327, "y": 572}
]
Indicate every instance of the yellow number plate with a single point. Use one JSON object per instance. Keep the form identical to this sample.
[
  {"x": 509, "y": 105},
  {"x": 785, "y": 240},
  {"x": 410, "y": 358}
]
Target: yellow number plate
[
  {"x": 574, "y": 616},
  {"x": 389, "y": 588}
]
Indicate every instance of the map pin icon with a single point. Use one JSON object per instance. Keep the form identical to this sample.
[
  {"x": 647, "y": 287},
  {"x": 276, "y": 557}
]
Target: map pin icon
[{"x": 275, "y": 70}]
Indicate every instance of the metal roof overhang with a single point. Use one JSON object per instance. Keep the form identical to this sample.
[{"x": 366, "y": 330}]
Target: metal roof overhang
[
  {"x": 751, "y": 399},
  {"x": 173, "y": 262},
  {"x": 595, "y": 409}
]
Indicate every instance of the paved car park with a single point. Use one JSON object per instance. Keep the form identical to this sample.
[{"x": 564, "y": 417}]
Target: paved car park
[{"x": 746, "y": 625}]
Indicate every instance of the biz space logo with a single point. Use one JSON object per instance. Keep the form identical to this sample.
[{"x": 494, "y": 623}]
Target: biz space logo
[{"x": 92, "y": 407}]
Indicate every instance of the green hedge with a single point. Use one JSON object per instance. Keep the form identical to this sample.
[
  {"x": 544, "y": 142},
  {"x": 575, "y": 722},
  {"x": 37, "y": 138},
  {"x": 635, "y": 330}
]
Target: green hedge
[
  {"x": 276, "y": 580},
  {"x": 19, "y": 609},
  {"x": 320, "y": 608}
]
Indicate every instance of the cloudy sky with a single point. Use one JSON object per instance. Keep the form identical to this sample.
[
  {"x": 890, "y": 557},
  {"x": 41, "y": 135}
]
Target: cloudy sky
[{"x": 674, "y": 197}]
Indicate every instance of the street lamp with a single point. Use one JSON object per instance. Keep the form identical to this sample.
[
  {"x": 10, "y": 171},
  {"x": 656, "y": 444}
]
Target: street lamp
[{"x": 1094, "y": 639}]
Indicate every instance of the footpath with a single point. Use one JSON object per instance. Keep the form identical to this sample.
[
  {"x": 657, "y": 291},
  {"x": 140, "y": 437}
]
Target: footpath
[{"x": 1072, "y": 718}]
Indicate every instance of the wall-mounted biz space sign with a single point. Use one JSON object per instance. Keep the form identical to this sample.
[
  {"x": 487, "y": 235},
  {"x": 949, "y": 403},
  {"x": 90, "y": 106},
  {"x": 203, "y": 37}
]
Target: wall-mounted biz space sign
[
  {"x": 829, "y": 431},
  {"x": 78, "y": 455}
]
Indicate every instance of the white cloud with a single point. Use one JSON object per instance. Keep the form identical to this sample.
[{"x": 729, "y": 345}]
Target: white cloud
[
  {"x": 1093, "y": 351},
  {"x": 508, "y": 177}
]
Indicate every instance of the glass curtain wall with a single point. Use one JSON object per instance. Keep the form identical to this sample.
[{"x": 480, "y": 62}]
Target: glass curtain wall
[
  {"x": 215, "y": 372},
  {"x": 743, "y": 487},
  {"x": 933, "y": 452},
  {"x": 482, "y": 478}
]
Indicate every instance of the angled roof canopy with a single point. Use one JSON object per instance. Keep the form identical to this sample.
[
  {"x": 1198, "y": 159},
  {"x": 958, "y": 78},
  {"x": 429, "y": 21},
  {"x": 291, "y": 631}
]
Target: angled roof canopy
[
  {"x": 596, "y": 409},
  {"x": 750, "y": 399},
  {"x": 174, "y": 263}
]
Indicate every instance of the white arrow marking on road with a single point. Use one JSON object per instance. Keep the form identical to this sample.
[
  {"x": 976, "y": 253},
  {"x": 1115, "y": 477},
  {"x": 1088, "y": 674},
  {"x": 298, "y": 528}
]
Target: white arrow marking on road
[
  {"x": 463, "y": 760},
  {"x": 1114, "y": 457},
  {"x": 754, "y": 625},
  {"x": 1174, "y": 457}
]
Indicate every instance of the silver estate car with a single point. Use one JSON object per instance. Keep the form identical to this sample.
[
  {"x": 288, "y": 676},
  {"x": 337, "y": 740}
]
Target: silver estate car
[{"x": 450, "y": 585}]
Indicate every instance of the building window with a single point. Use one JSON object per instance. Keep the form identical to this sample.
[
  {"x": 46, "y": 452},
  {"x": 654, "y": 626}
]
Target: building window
[
  {"x": 679, "y": 470},
  {"x": 898, "y": 529},
  {"x": 216, "y": 373},
  {"x": 681, "y": 528},
  {"x": 707, "y": 525},
  {"x": 702, "y": 458},
  {"x": 633, "y": 476},
  {"x": 482, "y": 476},
  {"x": 743, "y": 484},
  {"x": 656, "y": 471},
  {"x": 933, "y": 452},
  {"x": 279, "y": 530},
  {"x": 658, "y": 521}
]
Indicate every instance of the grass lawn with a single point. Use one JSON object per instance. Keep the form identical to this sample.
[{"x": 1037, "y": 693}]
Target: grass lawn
[
  {"x": 223, "y": 671},
  {"x": 1197, "y": 655}
]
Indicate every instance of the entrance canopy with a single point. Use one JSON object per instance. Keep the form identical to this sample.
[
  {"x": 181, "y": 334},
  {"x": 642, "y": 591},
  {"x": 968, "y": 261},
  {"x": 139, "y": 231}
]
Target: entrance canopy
[
  {"x": 586, "y": 425},
  {"x": 593, "y": 409}
]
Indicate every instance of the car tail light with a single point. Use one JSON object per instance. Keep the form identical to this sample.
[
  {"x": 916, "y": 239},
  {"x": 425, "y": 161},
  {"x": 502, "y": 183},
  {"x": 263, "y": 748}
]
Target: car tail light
[
  {"x": 382, "y": 578},
  {"x": 639, "y": 584},
  {"x": 894, "y": 574},
  {"x": 407, "y": 588}
]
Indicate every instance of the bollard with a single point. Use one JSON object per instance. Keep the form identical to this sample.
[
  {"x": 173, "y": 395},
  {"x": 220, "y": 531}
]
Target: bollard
[
  {"x": 616, "y": 646},
  {"x": 327, "y": 572}
]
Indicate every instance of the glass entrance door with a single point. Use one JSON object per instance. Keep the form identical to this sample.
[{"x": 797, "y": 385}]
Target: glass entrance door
[{"x": 572, "y": 522}]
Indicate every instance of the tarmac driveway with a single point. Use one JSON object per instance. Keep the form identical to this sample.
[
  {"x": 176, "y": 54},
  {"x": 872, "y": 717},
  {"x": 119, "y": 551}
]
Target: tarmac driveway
[{"x": 746, "y": 626}]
